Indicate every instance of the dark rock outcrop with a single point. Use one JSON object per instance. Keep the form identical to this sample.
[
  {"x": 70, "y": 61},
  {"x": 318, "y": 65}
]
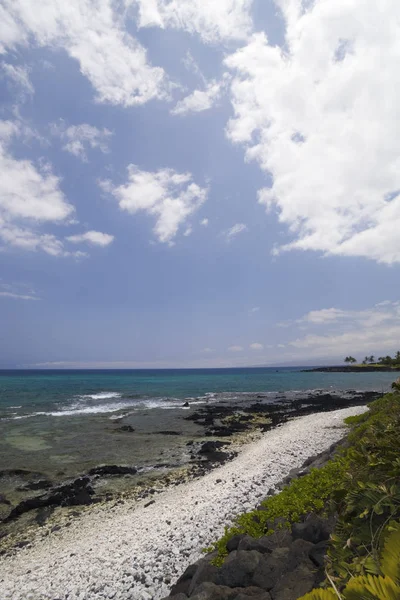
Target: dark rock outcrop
[
  {"x": 256, "y": 570},
  {"x": 73, "y": 493},
  {"x": 314, "y": 529}
]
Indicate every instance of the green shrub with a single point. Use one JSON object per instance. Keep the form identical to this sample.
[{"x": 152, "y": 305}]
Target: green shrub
[
  {"x": 361, "y": 485},
  {"x": 307, "y": 494}
]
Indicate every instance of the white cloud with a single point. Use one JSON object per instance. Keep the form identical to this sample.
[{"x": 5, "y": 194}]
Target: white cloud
[
  {"x": 170, "y": 196},
  {"x": 325, "y": 315},
  {"x": 192, "y": 66},
  {"x": 204, "y": 222},
  {"x": 27, "y": 239},
  {"x": 30, "y": 197},
  {"x": 199, "y": 100},
  {"x": 17, "y": 292},
  {"x": 213, "y": 21},
  {"x": 188, "y": 231},
  {"x": 254, "y": 309},
  {"x": 79, "y": 137},
  {"x": 322, "y": 117},
  {"x": 208, "y": 350},
  {"x": 256, "y": 346},
  {"x": 17, "y": 296},
  {"x": 235, "y": 348},
  {"x": 235, "y": 230},
  {"x": 19, "y": 75},
  {"x": 375, "y": 330},
  {"x": 94, "y": 238},
  {"x": 92, "y": 33},
  {"x": 27, "y": 193}
]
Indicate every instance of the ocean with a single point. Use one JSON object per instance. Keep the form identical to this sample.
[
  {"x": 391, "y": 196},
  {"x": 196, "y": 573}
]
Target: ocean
[
  {"x": 67, "y": 393},
  {"x": 60, "y": 424}
]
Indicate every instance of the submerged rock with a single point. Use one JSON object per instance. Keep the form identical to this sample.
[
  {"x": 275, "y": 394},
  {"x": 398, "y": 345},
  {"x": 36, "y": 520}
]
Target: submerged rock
[
  {"x": 113, "y": 470},
  {"x": 42, "y": 484},
  {"x": 127, "y": 428}
]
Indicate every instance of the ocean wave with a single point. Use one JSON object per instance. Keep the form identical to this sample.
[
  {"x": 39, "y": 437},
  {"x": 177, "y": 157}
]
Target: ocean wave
[
  {"x": 79, "y": 408},
  {"x": 101, "y": 396}
]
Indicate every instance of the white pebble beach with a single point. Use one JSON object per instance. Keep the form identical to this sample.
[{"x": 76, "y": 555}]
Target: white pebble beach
[{"x": 129, "y": 551}]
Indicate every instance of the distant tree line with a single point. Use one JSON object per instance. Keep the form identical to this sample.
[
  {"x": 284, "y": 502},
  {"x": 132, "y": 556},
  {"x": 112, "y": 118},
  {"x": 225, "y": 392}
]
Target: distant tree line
[{"x": 386, "y": 361}]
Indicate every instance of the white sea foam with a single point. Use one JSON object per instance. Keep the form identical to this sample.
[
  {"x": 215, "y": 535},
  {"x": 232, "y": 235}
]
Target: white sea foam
[
  {"x": 135, "y": 405},
  {"x": 87, "y": 410},
  {"x": 101, "y": 396}
]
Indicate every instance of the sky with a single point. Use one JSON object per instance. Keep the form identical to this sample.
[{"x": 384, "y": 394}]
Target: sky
[{"x": 191, "y": 183}]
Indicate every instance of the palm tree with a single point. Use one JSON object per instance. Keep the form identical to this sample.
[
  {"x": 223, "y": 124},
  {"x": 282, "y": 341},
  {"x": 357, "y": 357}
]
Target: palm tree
[
  {"x": 397, "y": 357},
  {"x": 371, "y": 358},
  {"x": 350, "y": 359},
  {"x": 365, "y": 361}
]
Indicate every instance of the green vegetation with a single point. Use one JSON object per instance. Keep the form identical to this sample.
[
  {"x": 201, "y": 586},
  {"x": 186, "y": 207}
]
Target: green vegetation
[
  {"x": 307, "y": 494},
  {"x": 383, "y": 361},
  {"x": 350, "y": 360},
  {"x": 361, "y": 485},
  {"x": 384, "y": 586}
]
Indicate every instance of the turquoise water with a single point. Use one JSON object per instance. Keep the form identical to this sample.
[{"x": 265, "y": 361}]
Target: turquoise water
[{"x": 66, "y": 393}]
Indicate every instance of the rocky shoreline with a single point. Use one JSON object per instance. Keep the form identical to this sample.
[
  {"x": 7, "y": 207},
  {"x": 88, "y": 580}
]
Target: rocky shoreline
[
  {"x": 281, "y": 566},
  {"x": 226, "y": 427},
  {"x": 130, "y": 549}
]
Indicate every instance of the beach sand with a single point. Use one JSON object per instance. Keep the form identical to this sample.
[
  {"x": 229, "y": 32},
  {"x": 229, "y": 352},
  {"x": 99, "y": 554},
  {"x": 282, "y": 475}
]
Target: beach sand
[{"x": 136, "y": 550}]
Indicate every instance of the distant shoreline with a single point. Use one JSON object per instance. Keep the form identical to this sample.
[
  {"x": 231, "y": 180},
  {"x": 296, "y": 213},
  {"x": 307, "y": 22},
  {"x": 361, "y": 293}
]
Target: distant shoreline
[{"x": 351, "y": 369}]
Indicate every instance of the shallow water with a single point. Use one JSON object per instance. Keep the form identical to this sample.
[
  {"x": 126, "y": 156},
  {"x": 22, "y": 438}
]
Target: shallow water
[{"x": 62, "y": 423}]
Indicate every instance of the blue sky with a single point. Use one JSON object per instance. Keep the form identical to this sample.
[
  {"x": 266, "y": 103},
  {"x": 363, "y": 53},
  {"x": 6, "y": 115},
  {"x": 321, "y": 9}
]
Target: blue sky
[{"x": 192, "y": 183}]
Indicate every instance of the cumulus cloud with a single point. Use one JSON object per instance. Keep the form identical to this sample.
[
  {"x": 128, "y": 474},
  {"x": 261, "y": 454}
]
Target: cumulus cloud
[
  {"x": 322, "y": 118},
  {"x": 214, "y": 22},
  {"x": 37, "y": 195},
  {"x": 375, "y": 329},
  {"x": 235, "y": 348},
  {"x": 235, "y": 230},
  {"x": 80, "y": 137},
  {"x": 204, "y": 222},
  {"x": 94, "y": 238},
  {"x": 170, "y": 196},
  {"x": 30, "y": 197},
  {"x": 256, "y": 346},
  {"x": 199, "y": 100},
  {"x": 92, "y": 33}
]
